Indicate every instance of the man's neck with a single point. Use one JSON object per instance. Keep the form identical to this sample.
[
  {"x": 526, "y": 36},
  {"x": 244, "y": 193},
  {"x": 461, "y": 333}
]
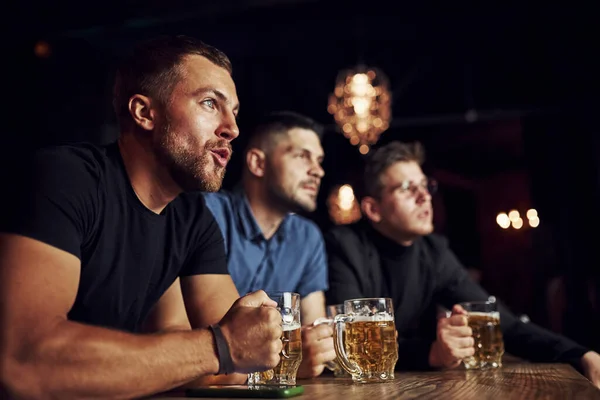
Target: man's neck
[
  {"x": 268, "y": 216},
  {"x": 403, "y": 240},
  {"x": 149, "y": 180}
]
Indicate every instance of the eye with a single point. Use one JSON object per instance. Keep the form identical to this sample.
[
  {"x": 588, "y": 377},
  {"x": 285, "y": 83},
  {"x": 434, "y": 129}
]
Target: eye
[
  {"x": 404, "y": 187},
  {"x": 209, "y": 102}
]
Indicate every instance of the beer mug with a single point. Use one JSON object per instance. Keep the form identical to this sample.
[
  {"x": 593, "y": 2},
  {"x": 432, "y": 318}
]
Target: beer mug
[
  {"x": 484, "y": 320},
  {"x": 291, "y": 354},
  {"x": 365, "y": 339}
]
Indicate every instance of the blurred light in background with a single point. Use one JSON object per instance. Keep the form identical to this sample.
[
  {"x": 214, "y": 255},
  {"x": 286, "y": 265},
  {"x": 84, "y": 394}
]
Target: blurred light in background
[
  {"x": 534, "y": 222},
  {"x": 42, "y": 49},
  {"x": 503, "y": 220},
  {"x": 513, "y": 218},
  {"x": 343, "y": 206},
  {"x": 361, "y": 105},
  {"x": 514, "y": 215},
  {"x": 517, "y": 223},
  {"x": 533, "y": 218}
]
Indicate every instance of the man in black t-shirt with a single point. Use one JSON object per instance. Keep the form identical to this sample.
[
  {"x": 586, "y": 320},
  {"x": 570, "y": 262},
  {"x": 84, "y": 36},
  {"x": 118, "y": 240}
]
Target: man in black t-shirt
[
  {"x": 104, "y": 245},
  {"x": 393, "y": 253}
]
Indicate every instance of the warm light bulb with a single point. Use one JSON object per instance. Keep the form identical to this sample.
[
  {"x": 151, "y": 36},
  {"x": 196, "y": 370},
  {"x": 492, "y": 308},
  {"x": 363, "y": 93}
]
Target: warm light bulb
[
  {"x": 346, "y": 197},
  {"x": 514, "y": 215},
  {"x": 534, "y": 222},
  {"x": 532, "y": 213},
  {"x": 503, "y": 220},
  {"x": 517, "y": 223},
  {"x": 361, "y": 105},
  {"x": 360, "y": 79}
]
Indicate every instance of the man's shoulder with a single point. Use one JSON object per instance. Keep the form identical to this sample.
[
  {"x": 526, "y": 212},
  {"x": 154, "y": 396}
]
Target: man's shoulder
[
  {"x": 76, "y": 153},
  {"x": 84, "y": 159},
  {"x": 353, "y": 233},
  {"x": 299, "y": 224},
  {"x": 67, "y": 167},
  {"x": 219, "y": 202}
]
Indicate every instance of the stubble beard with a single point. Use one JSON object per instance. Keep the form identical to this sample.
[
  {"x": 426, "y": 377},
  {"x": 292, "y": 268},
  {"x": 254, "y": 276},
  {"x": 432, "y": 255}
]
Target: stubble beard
[
  {"x": 190, "y": 171},
  {"x": 289, "y": 202}
]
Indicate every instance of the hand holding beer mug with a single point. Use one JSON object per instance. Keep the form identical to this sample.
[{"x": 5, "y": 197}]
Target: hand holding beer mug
[
  {"x": 484, "y": 319},
  {"x": 291, "y": 354},
  {"x": 334, "y": 365},
  {"x": 368, "y": 351}
]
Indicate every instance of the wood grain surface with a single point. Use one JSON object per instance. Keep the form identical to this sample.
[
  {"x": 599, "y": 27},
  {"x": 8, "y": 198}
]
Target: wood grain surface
[{"x": 513, "y": 381}]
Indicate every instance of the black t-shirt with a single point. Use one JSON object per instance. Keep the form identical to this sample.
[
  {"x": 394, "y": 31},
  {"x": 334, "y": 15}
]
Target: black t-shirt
[
  {"x": 79, "y": 199},
  {"x": 364, "y": 263}
]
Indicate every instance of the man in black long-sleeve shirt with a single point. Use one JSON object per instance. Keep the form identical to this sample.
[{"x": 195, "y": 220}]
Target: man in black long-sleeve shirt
[{"x": 393, "y": 253}]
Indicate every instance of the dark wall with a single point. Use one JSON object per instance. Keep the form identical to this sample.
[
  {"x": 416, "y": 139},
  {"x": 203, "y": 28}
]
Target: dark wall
[{"x": 565, "y": 159}]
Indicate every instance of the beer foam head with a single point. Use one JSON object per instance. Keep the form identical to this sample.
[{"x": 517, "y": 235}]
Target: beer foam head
[
  {"x": 383, "y": 316},
  {"x": 493, "y": 314},
  {"x": 291, "y": 327}
]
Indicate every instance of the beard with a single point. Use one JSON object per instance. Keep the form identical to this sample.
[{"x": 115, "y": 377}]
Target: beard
[
  {"x": 191, "y": 170},
  {"x": 290, "y": 202}
]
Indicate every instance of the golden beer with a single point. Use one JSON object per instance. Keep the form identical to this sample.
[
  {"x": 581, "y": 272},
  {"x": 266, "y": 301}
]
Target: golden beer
[
  {"x": 368, "y": 350},
  {"x": 371, "y": 345},
  {"x": 489, "y": 346},
  {"x": 290, "y": 357}
]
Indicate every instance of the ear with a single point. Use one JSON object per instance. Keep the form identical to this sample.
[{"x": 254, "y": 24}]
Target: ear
[
  {"x": 255, "y": 162},
  {"x": 370, "y": 207},
  {"x": 141, "y": 111}
]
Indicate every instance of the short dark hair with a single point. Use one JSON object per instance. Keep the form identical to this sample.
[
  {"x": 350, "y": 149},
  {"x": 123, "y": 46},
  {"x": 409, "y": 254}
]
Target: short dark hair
[
  {"x": 277, "y": 123},
  {"x": 153, "y": 69},
  {"x": 384, "y": 157}
]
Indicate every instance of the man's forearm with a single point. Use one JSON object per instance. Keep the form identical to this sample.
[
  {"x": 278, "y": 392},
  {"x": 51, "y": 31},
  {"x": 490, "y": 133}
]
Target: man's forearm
[
  {"x": 81, "y": 361},
  {"x": 534, "y": 343}
]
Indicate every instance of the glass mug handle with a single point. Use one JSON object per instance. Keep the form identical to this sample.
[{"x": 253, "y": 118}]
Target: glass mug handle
[
  {"x": 331, "y": 365},
  {"x": 340, "y": 350},
  {"x": 287, "y": 315}
]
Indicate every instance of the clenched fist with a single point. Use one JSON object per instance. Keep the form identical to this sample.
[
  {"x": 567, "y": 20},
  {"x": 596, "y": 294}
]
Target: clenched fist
[
  {"x": 454, "y": 340},
  {"x": 252, "y": 329}
]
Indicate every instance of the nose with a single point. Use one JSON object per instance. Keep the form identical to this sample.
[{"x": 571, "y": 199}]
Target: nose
[
  {"x": 317, "y": 170},
  {"x": 423, "y": 194},
  {"x": 228, "y": 129}
]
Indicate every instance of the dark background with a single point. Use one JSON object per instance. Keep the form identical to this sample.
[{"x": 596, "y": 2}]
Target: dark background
[{"x": 529, "y": 72}]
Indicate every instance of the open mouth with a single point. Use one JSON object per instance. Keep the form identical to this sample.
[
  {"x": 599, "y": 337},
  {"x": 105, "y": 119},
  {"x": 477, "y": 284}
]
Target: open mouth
[
  {"x": 221, "y": 156},
  {"x": 424, "y": 214}
]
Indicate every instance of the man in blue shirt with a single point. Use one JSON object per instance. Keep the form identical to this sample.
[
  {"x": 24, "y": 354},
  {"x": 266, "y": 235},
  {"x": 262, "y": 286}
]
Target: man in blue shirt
[{"x": 268, "y": 246}]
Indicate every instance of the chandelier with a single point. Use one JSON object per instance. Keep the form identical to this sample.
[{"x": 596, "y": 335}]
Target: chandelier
[{"x": 361, "y": 105}]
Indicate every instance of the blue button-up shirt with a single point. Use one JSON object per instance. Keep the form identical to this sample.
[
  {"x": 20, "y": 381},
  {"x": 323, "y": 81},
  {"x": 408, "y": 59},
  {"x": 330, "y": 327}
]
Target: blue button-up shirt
[{"x": 293, "y": 259}]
